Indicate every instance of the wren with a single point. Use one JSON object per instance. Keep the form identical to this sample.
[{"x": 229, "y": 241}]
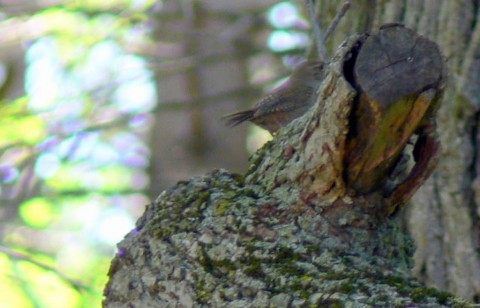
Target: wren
[{"x": 287, "y": 102}]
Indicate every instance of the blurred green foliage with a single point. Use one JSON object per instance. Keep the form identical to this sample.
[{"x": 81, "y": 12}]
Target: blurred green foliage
[{"x": 71, "y": 177}]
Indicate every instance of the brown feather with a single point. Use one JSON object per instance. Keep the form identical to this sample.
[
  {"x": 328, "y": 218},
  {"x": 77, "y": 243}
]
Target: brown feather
[{"x": 238, "y": 117}]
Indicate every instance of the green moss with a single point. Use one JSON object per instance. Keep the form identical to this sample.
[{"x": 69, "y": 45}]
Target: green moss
[
  {"x": 413, "y": 289},
  {"x": 347, "y": 288},
  {"x": 255, "y": 268},
  {"x": 421, "y": 294},
  {"x": 402, "y": 285},
  {"x": 224, "y": 266},
  {"x": 163, "y": 233},
  {"x": 222, "y": 206},
  {"x": 215, "y": 267},
  {"x": 202, "y": 295},
  {"x": 239, "y": 178},
  {"x": 184, "y": 225},
  {"x": 249, "y": 247},
  {"x": 364, "y": 288},
  {"x": 249, "y": 193},
  {"x": 291, "y": 270},
  {"x": 258, "y": 156},
  {"x": 285, "y": 254},
  {"x": 182, "y": 183},
  {"x": 329, "y": 304},
  {"x": 195, "y": 207},
  {"x": 205, "y": 261},
  {"x": 394, "y": 280},
  {"x": 312, "y": 249},
  {"x": 298, "y": 287},
  {"x": 332, "y": 276},
  {"x": 306, "y": 278}
]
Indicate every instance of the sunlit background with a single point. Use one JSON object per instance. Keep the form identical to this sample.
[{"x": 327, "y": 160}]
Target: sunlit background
[{"x": 74, "y": 138}]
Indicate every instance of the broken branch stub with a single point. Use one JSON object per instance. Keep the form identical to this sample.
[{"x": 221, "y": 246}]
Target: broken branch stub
[
  {"x": 399, "y": 76},
  {"x": 379, "y": 92}
]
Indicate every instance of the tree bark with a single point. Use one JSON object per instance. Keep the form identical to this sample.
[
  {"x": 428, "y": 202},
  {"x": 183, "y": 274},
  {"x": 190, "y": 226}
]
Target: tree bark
[
  {"x": 444, "y": 216},
  {"x": 313, "y": 222}
]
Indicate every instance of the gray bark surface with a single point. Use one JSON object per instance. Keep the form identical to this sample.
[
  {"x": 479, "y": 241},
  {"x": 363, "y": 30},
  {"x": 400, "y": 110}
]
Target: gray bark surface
[{"x": 292, "y": 232}]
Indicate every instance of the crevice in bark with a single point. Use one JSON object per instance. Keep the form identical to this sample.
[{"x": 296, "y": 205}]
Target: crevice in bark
[
  {"x": 349, "y": 62},
  {"x": 348, "y": 73},
  {"x": 436, "y": 263},
  {"x": 473, "y": 125},
  {"x": 475, "y": 5},
  {"x": 473, "y": 179}
]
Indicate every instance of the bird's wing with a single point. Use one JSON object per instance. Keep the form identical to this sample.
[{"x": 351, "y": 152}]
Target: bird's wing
[{"x": 284, "y": 99}]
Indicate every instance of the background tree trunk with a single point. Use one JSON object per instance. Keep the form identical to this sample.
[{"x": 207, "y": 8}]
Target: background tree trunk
[
  {"x": 13, "y": 86},
  {"x": 202, "y": 74},
  {"x": 444, "y": 216}
]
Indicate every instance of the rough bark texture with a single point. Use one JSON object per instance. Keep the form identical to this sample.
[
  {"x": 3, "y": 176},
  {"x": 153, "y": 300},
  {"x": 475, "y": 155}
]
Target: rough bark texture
[
  {"x": 444, "y": 216},
  {"x": 294, "y": 232}
]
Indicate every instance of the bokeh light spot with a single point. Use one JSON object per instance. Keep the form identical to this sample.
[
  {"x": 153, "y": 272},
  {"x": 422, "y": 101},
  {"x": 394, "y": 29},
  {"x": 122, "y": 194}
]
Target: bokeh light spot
[
  {"x": 113, "y": 226},
  {"x": 281, "y": 40},
  {"x": 283, "y": 15},
  {"x": 8, "y": 173},
  {"x": 256, "y": 138},
  {"x": 37, "y": 212},
  {"x": 47, "y": 165}
]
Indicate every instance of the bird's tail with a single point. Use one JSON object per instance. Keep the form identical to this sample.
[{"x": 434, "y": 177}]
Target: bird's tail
[{"x": 238, "y": 117}]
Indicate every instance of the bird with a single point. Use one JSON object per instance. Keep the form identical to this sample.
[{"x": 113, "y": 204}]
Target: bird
[{"x": 287, "y": 102}]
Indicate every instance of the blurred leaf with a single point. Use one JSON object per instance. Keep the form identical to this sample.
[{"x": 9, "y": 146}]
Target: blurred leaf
[
  {"x": 11, "y": 293},
  {"x": 16, "y": 107},
  {"x": 107, "y": 179},
  {"x": 26, "y": 129},
  {"x": 66, "y": 178},
  {"x": 100, "y": 5},
  {"x": 37, "y": 212},
  {"x": 72, "y": 71},
  {"x": 115, "y": 178},
  {"x": 49, "y": 288}
]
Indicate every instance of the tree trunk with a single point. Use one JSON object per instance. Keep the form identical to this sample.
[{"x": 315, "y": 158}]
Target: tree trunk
[
  {"x": 313, "y": 222},
  {"x": 200, "y": 61},
  {"x": 444, "y": 216}
]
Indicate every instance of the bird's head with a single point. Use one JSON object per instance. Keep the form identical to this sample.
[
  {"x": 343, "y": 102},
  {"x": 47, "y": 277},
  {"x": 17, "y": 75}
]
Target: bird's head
[{"x": 309, "y": 72}]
